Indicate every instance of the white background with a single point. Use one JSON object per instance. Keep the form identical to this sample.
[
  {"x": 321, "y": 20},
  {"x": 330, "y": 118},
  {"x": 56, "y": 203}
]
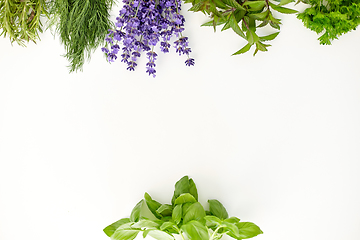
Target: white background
[{"x": 275, "y": 138}]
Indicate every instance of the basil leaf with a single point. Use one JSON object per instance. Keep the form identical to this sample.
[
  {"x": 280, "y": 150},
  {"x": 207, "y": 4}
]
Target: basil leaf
[
  {"x": 212, "y": 221},
  {"x": 109, "y": 230},
  {"x": 232, "y": 227},
  {"x": 248, "y": 229},
  {"x": 217, "y": 209},
  {"x": 181, "y": 186},
  {"x": 165, "y": 210},
  {"x": 144, "y": 223},
  {"x": 160, "y": 235},
  {"x": 195, "y": 231},
  {"x": 152, "y": 205},
  {"x": 284, "y": 2},
  {"x": 167, "y": 225},
  {"x": 125, "y": 234},
  {"x": 193, "y": 189},
  {"x": 194, "y": 212},
  {"x": 232, "y": 220},
  {"x": 177, "y": 214},
  {"x": 184, "y": 198},
  {"x": 135, "y": 213}
]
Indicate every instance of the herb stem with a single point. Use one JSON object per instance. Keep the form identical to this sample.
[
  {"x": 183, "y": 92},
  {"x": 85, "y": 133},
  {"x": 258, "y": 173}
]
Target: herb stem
[
  {"x": 215, "y": 232},
  {"x": 182, "y": 236}
]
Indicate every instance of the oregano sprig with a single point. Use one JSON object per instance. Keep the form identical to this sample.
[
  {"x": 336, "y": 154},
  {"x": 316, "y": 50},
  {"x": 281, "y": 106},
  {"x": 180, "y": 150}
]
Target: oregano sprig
[{"x": 184, "y": 217}]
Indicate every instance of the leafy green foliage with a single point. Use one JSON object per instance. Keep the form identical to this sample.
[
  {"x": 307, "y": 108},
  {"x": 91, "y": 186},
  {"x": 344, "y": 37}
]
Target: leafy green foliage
[
  {"x": 20, "y": 20},
  {"x": 244, "y": 17},
  {"x": 82, "y": 26},
  {"x": 185, "y": 217},
  {"x": 331, "y": 18}
]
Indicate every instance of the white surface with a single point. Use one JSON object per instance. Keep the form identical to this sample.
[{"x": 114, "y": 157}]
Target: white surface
[{"x": 274, "y": 137}]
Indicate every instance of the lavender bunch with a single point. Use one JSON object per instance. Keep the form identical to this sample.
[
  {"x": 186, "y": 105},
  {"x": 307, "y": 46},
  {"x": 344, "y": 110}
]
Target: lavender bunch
[{"x": 140, "y": 26}]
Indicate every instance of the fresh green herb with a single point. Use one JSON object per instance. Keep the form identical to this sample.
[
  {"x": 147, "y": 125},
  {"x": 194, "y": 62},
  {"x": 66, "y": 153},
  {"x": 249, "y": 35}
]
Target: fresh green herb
[
  {"x": 331, "y": 18},
  {"x": 82, "y": 26},
  {"x": 184, "y": 217},
  {"x": 20, "y": 20},
  {"x": 242, "y": 17}
]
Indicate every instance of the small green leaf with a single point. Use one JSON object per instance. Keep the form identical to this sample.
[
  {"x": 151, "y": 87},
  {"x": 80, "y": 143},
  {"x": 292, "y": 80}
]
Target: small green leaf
[
  {"x": 230, "y": 227},
  {"x": 248, "y": 229},
  {"x": 273, "y": 19},
  {"x": 160, "y": 235},
  {"x": 167, "y": 225},
  {"x": 212, "y": 221},
  {"x": 125, "y": 234},
  {"x": 109, "y": 230},
  {"x": 259, "y": 16},
  {"x": 177, "y": 213},
  {"x": 284, "y": 2},
  {"x": 197, "y": 7},
  {"x": 185, "y": 206},
  {"x": 227, "y": 25},
  {"x": 195, "y": 231},
  {"x": 217, "y": 209},
  {"x": 212, "y": 23},
  {"x": 255, "y": 5},
  {"x": 194, "y": 212},
  {"x": 239, "y": 14},
  {"x": 165, "y": 210},
  {"x": 144, "y": 223},
  {"x": 243, "y": 50},
  {"x": 232, "y": 220},
  {"x": 282, "y": 9},
  {"x": 275, "y": 25},
  {"x": 220, "y": 4},
  {"x": 181, "y": 186},
  {"x": 135, "y": 213},
  {"x": 184, "y": 198},
  {"x": 263, "y": 24},
  {"x": 152, "y": 205},
  {"x": 193, "y": 189},
  {"x": 251, "y": 37},
  {"x": 269, "y": 37},
  {"x": 234, "y": 4},
  {"x": 234, "y": 25}
]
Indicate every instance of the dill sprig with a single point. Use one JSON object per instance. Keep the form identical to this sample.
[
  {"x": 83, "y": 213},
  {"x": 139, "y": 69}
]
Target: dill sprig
[
  {"x": 20, "y": 20},
  {"x": 82, "y": 26}
]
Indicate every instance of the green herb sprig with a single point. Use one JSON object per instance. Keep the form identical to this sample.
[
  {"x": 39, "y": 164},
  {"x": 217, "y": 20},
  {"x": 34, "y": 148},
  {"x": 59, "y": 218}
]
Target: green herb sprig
[
  {"x": 242, "y": 17},
  {"x": 331, "y": 18},
  {"x": 184, "y": 217},
  {"x": 20, "y": 19},
  {"x": 82, "y": 27}
]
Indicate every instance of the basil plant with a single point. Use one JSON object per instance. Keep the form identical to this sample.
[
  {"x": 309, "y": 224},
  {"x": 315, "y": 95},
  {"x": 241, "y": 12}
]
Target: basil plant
[{"x": 185, "y": 217}]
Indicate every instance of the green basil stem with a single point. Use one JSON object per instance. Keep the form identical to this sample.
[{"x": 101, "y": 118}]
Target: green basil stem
[
  {"x": 215, "y": 232},
  {"x": 182, "y": 236}
]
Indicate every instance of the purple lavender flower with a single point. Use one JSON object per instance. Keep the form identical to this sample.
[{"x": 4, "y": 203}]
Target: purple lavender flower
[
  {"x": 151, "y": 63},
  {"x": 190, "y": 62},
  {"x": 140, "y": 26}
]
